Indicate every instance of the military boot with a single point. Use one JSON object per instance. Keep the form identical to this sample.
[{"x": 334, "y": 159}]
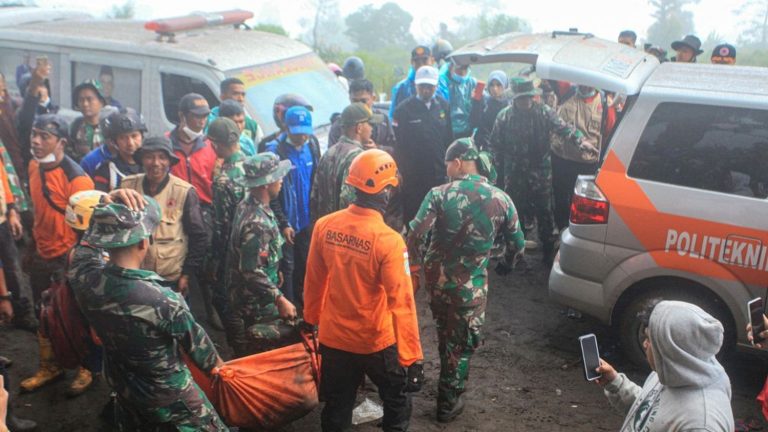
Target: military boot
[
  {"x": 81, "y": 383},
  {"x": 17, "y": 424},
  {"x": 49, "y": 370},
  {"x": 447, "y": 414}
]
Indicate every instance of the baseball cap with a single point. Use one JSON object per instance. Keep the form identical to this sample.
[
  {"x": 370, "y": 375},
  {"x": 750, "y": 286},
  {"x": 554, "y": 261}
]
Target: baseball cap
[
  {"x": 463, "y": 149},
  {"x": 53, "y": 124},
  {"x": 359, "y": 113},
  {"x": 427, "y": 75},
  {"x": 421, "y": 51},
  {"x": 194, "y": 103},
  {"x": 230, "y": 108},
  {"x": 299, "y": 120},
  {"x": 724, "y": 51},
  {"x": 224, "y": 131}
]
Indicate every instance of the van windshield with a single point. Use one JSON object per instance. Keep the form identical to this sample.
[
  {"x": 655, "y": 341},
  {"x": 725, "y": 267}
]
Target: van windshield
[{"x": 305, "y": 75}]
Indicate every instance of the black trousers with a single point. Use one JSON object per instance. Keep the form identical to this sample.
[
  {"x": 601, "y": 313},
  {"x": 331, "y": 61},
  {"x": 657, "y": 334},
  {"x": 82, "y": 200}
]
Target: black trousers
[
  {"x": 564, "y": 174},
  {"x": 342, "y": 373},
  {"x": 294, "y": 267}
]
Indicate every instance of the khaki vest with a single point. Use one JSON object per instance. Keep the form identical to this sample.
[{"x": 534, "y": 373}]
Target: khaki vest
[
  {"x": 166, "y": 256},
  {"x": 586, "y": 117}
]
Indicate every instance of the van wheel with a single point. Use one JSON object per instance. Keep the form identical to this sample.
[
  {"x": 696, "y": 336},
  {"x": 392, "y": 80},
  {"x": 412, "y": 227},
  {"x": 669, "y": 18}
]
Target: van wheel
[{"x": 631, "y": 329}]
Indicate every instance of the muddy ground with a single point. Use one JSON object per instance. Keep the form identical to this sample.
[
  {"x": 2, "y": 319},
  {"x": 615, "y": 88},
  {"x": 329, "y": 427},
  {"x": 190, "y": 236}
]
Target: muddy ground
[{"x": 526, "y": 377}]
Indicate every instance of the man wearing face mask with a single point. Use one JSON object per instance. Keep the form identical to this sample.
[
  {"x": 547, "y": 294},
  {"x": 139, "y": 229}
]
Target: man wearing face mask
[
  {"x": 423, "y": 129},
  {"x": 457, "y": 85},
  {"x": 291, "y": 207},
  {"x": 197, "y": 162},
  {"x": 589, "y": 112},
  {"x": 53, "y": 178}
]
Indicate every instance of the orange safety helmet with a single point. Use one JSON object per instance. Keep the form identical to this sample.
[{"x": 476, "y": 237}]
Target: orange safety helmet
[{"x": 372, "y": 170}]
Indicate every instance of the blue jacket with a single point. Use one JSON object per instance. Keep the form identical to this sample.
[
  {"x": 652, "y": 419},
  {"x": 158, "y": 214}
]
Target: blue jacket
[
  {"x": 91, "y": 162},
  {"x": 291, "y": 207},
  {"x": 402, "y": 91},
  {"x": 459, "y": 97}
]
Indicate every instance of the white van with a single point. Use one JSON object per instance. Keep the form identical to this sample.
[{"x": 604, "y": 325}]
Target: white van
[
  {"x": 151, "y": 73},
  {"x": 677, "y": 208}
]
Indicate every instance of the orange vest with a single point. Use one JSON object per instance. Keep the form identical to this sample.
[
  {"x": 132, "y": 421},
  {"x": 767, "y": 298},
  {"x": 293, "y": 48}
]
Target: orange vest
[{"x": 358, "y": 286}]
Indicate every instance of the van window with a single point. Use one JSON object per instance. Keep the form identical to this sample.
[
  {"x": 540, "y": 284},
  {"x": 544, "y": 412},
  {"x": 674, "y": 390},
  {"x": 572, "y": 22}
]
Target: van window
[
  {"x": 305, "y": 75},
  {"x": 121, "y": 86},
  {"x": 175, "y": 87},
  {"x": 16, "y": 62},
  {"x": 714, "y": 148}
]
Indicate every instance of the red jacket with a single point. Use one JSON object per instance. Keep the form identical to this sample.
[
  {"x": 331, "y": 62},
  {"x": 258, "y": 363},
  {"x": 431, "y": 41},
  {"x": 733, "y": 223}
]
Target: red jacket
[{"x": 197, "y": 167}]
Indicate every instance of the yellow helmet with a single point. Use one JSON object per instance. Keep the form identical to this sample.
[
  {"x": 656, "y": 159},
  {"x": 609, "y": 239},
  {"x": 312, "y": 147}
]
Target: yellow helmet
[{"x": 80, "y": 208}]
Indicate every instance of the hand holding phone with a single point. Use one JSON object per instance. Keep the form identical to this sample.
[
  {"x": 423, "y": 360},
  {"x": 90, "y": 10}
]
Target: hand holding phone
[
  {"x": 591, "y": 356},
  {"x": 756, "y": 310}
]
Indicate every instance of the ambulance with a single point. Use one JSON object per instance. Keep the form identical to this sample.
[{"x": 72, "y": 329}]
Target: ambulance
[
  {"x": 678, "y": 207},
  {"x": 149, "y": 66}
]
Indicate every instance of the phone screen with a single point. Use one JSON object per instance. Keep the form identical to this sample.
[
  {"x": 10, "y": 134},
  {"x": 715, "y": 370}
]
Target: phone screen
[
  {"x": 756, "y": 311},
  {"x": 590, "y": 355}
]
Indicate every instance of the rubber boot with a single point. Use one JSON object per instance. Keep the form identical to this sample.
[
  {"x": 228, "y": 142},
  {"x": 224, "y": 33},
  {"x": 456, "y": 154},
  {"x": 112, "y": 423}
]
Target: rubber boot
[
  {"x": 49, "y": 370},
  {"x": 448, "y": 414},
  {"x": 81, "y": 383}
]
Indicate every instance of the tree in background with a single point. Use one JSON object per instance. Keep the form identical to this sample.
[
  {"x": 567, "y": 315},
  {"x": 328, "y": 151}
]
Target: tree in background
[
  {"x": 486, "y": 25},
  {"x": 372, "y": 29},
  {"x": 672, "y": 21},
  {"x": 754, "y": 14},
  {"x": 126, "y": 11},
  {"x": 270, "y": 28}
]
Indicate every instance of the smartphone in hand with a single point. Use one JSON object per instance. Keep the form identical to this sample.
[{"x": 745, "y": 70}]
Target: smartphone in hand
[
  {"x": 591, "y": 356},
  {"x": 756, "y": 310}
]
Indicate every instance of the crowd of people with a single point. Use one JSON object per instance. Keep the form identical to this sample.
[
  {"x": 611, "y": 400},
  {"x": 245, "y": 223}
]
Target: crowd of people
[{"x": 280, "y": 238}]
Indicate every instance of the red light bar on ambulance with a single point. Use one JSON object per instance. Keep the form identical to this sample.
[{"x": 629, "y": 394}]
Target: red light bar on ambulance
[{"x": 198, "y": 20}]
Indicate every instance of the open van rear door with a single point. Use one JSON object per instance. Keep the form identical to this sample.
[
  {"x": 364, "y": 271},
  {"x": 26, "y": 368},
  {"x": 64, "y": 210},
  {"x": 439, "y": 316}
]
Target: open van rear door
[{"x": 567, "y": 56}]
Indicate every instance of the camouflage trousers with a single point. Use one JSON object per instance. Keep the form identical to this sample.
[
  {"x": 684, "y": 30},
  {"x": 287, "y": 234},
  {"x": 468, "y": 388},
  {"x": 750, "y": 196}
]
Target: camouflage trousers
[
  {"x": 458, "y": 335},
  {"x": 533, "y": 189},
  {"x": 191, "y": 413},
  {"x": 258, "y": 328}
]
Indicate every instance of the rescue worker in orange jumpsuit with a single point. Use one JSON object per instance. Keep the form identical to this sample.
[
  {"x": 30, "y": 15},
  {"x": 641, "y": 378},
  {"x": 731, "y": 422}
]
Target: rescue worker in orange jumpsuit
[{"x": 358, "y": 292}]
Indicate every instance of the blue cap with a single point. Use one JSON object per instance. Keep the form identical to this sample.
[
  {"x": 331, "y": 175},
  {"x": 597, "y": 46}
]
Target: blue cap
[{"x": 299, "y": 121}]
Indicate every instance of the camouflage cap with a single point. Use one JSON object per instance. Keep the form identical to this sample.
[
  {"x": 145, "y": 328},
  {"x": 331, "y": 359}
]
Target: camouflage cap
[
  {"x": 263, "y": 169},
  {"x": 115, "y": 225}
]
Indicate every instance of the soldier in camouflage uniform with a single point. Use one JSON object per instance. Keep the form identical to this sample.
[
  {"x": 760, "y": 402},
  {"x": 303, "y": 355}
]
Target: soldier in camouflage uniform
[
  {"x": 520, "y": 144},
  {"x": 227, "y": 194},
  {"x": 464, "y": 218},
  {"x": 144, "y": 326},
  {"x": 259, "y": 317}
]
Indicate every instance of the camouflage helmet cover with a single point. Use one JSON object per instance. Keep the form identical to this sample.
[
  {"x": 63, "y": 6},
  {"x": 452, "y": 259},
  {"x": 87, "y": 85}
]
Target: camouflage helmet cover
[{"x": 115, "y": 225}]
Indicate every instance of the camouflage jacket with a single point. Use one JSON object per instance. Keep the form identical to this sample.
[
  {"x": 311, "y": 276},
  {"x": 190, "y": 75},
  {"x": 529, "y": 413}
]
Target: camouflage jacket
[
  {"x": 253, "y": 256},
  {"x": 465, "y": 216},
  {"x": 17, "y": 190},
  {"x": 520, "y": 137},
  {"x": 227, "y": 194},
  {"x": 329, "y": 192},
  {"x": 144, "y": 327}
]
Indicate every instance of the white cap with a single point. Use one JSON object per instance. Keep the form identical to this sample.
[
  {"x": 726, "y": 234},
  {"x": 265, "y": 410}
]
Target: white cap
[{"x": 427, "y": 75}]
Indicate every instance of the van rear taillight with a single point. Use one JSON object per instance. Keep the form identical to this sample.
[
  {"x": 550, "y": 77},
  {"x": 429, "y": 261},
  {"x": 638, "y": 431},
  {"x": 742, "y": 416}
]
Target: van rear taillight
[{"x": 588, "y": 205}]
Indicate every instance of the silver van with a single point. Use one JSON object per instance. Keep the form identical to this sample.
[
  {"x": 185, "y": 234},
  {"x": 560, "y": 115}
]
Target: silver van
[
  {"x": 151, "y": 73},
  {"x": 677, "y": 208}
]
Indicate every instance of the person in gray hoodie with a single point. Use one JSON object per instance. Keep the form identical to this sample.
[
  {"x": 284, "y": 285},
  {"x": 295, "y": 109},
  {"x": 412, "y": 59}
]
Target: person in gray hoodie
[{"x": 688, "y": 389}]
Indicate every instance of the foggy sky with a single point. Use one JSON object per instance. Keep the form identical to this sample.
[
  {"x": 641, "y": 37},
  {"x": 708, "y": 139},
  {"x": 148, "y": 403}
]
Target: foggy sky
[{"x": 604, "y": 18}]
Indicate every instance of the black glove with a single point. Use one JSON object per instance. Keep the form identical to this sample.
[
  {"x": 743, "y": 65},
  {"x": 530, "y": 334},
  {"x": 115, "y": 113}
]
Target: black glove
[
  {"x": 305, "y": 327},
  {"x": 503, "y": 269},
  {"x": 415, "y": 378}
]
